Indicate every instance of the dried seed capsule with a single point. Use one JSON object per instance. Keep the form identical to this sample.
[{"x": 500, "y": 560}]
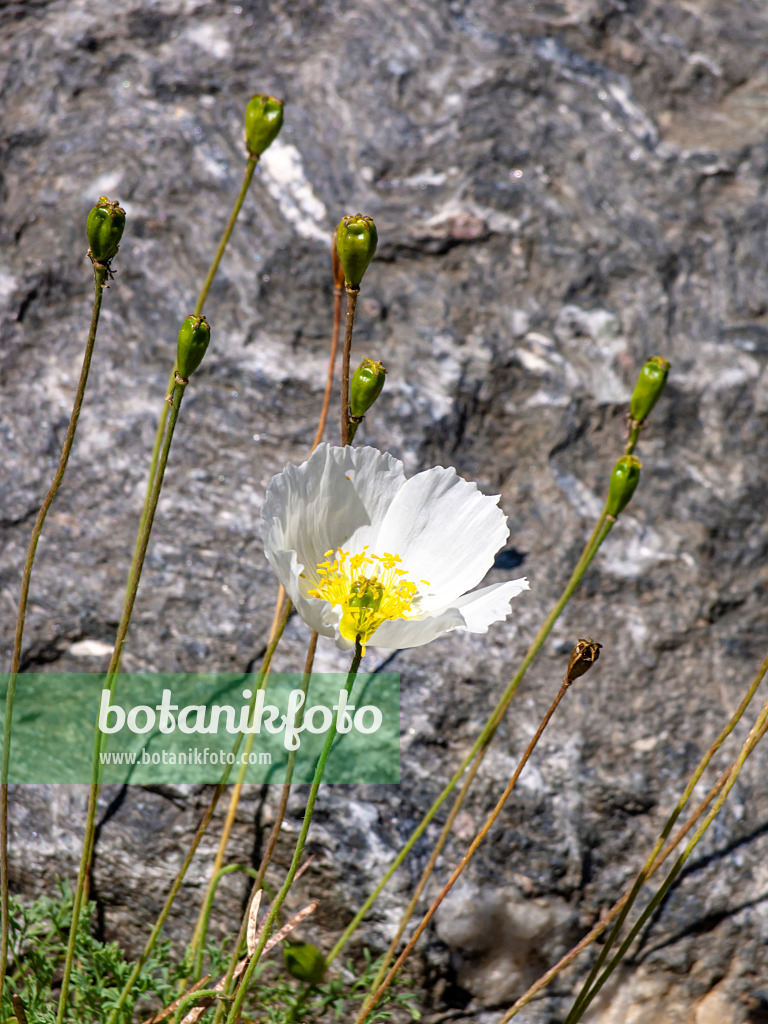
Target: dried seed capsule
[
  {"x": 367, "y": 382},
  {"x": 304, "y": 961},
  {"x": 263, "y": 121},
  {"x": 194, "y": 336},
  {"x": 650, "y": 384},
  {"x": 583, "y": 657},
  {"x": 104, "y": 228},
  {"x": 356, "y": 240},
  {"x": 624, "y": 479}
]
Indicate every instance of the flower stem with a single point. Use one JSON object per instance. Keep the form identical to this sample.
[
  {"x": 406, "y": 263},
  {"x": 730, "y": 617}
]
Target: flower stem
[
  {"x": 634, "y": 436},
  {"x": 756, "y": 733},
  {"x": 142, "y": 542},
  {"x": 261, "y": 682},
  {"x": 337, "y": 295},
  {"x": 584, "y": 997},
  {"x": 161, "y": 423},
  {"x": 250, "y": 167},
  {"x": 100, "y": 273},
  {"x": 272, "y": 841},
  {"x": 208, "y": 906},
  {"x": 373, "y": 1000},
  {"x": 484, "y": 739},
  {"x": 352, "y": 294},
  {"x": 605, "y": 920},
  {"x": 277, "y": 903},
  {"x": 323, "y": 419}
]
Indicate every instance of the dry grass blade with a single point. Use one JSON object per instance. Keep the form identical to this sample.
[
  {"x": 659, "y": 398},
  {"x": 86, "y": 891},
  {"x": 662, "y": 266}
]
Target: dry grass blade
[
  {"x": 197, "y": 1012},
  {"x": 288, "y": 928},
  {"x": 252, "y": 935},
  {"x": 162, "y": 1014},
  {"x": 303, "y": 868}
]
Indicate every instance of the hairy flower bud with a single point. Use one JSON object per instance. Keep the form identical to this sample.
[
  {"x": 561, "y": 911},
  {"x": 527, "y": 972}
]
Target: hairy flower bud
[
  {"x": 650, "y": 384},
  {"x": 304, "y": 961},
  {"x": 356, "y": 240},
  {"x": 194, "y": 336},
  {"x": 263, "y": 121},
  {"x": 365, "y": 388},
  {"x": 104, "y": 228},
  {"x": 624, "y": 479}
]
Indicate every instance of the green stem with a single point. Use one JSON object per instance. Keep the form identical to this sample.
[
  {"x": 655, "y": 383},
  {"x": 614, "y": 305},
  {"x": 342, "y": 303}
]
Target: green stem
[
  {"x": 154, "y": 934},
  {"x": 261, "y": 683},
  {"x": 161, "y": 423},
  {"x": 634, "y": 436},
  {"x": 208, "y": 905},
  {"x": 277, "y": 903},
  {"x": 272, "y": 841},
  {"x": 378, "y": 992},
  {"x": 100, "y": 276},
  {"x": 487, "y": 734},
  {"x": 142, "y": 541},
  {"x": 193, "y": 999},
  {"x": 247, "y": 177},
  {"x": 669, "y": 825},
  {"x": 756, "y": 732},
  {"x": 352, "y": 294}
]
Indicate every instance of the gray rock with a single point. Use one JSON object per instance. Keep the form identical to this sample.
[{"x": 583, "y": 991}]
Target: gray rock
[{"x": 561, "y": 191}]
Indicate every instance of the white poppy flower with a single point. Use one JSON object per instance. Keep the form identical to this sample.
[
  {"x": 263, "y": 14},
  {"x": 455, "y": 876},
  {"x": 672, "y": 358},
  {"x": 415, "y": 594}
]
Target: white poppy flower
[{"x": 363, "y": 552}]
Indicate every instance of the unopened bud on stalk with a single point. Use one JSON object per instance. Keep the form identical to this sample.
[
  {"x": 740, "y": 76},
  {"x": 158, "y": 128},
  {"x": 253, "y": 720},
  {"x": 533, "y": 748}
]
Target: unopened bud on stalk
[
  {"x": 650, "y": 384},
  {"x": 356, "y": 240},
  {"x": 583, "y": 657},
  {"x": 304, "y": 961},
  {"x": 624, "y": 479},
  {"x": 367, "y": 382},
  {"x": 194, "y": 336},
  {"x": 263, "y": 121},
  {"x": 104, "y": 228},
  {"x": 338, "y": 270}
]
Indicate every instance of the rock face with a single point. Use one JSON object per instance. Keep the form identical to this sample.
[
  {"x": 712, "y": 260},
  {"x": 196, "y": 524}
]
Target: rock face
[{"x": 561, "y": 190}]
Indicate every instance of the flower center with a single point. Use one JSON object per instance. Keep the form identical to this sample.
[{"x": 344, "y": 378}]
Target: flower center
[{"x": 369, "y": 588}]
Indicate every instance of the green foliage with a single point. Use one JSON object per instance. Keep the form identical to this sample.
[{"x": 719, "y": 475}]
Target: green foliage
[{"x": 38, "y": 936}]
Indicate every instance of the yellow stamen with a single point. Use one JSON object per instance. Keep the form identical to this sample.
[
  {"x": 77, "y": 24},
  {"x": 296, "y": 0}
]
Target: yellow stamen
[{"x": 369, "y": 588}]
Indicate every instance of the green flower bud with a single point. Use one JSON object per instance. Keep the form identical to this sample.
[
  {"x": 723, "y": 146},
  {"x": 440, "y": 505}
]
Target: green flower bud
[
  {"x": 104, "y": 227},
  {"x": 338, "y": 270},
  {"x": 304, "y": 961},
  {"x": 356, "y": 240},
  {"x": 650, "y": 384},
  {"x": 624, "y": 479},
  {"x": 263, "y": 121},
  {"x": 194, "y": 336},
  {"x": 365, "y": 388}
]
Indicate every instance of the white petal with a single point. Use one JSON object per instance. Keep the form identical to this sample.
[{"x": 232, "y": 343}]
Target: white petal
[
  {"x": 399, "y": 633},
  {"x": 491, "y": 604},
  {"x": 446, "y": 532},
  {"x": 338, "y": 494},
  {"x": 318, "y": 614},
  {"x": 473, "y": 613}
]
